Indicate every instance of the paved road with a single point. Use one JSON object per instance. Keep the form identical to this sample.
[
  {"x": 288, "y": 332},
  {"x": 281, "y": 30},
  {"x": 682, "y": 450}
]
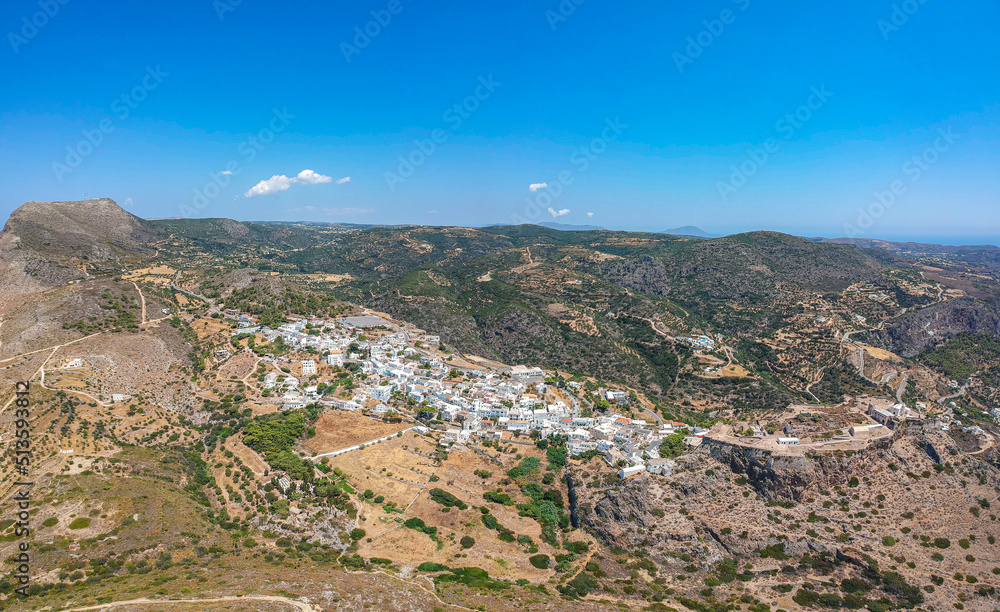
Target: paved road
[
  {"x": 658, "y": 418},
  {"x": 961, "y": 391}
]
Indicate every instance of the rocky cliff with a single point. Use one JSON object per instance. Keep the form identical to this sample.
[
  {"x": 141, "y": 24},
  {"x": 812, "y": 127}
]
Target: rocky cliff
[{"x": 917, "y": 330}]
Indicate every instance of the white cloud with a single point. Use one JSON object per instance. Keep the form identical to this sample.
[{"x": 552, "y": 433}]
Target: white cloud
[
  {"x": 311, "y": 178},
  {"x": 349, "y": 211},
  {"x": 227, "y": 172},
  {"x": 346, "y": 179},
  {"x": 536, "y": 186},
  {"x": 128, "y": 202},
  {"x": 273, "y": 185},
  {"x": 558, "y": 213},
  {"x": 280, "y": 182},
  {"x": 432, "y": 211},
  {"x": 590, "y": 214},
  {"x": 304, "y": 209}
]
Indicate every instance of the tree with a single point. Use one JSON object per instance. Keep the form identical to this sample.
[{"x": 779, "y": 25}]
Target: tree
[
  {"x": 672, "y": 446},
  {"x": 357, "y": 534},
  {"x": 467, "y": 542}
]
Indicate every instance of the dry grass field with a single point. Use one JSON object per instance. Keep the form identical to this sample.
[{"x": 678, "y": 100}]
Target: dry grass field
[
  {"x": 882, "y": 354},
  {"x": 337, "y": 429},
  {"x": 239, "y": 366},
  {"x": 388, "y": 469},
  {"x": 735, "y": 370},
  {"x": 206, "y": 328}
]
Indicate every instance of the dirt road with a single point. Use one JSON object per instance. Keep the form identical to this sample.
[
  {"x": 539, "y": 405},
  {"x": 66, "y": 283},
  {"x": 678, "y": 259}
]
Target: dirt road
[{"x": 294, "y": 603}]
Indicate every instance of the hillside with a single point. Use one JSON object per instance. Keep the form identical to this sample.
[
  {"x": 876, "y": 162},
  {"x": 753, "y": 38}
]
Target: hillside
[
  {"x": 206, "y": 424},
  {"x": 45, "y": 244}
]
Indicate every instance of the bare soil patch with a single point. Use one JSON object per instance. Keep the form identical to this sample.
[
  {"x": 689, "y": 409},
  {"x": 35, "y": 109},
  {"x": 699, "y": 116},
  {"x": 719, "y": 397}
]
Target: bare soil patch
[{"x": 339, "y": 429}]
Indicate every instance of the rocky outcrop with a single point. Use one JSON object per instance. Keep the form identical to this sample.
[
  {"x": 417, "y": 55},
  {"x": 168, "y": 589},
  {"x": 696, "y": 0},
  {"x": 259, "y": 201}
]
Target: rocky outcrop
[
  {"x": 918, "y": 330},
  {"x": 632, "y": 516},
  {"x": 793, "y": 478}
]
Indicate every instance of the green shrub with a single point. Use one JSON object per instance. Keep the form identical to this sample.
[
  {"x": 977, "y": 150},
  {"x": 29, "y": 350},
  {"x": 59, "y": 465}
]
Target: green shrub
[
  {"x": 498, "y": 498},
  {"x": 775, "y": 551},
  {"x": 427, "y": 566},
  {"x": 446, "y": 499},
  {"x": 473, "y": 577},
  {"x": 80, "y": 523},
  {"x": 526, "y": 468},
  {"x": 579, "y": 587},
  {"x": 578, "y": 548},
  {"x": 539, "y": 561}
]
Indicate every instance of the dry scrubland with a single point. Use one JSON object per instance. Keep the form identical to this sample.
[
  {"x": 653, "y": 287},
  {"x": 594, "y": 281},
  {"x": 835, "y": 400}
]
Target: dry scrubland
[
  {"x": 137, "y": 513},
  {"x": 389, "y": 539},
  {"x": 901, "y": 511}
]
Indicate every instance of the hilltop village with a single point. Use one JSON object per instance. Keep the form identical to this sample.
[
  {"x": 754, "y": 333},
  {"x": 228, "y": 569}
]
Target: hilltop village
[
  {"x": 402, "y": 374},
  {"x": 399, "y": 372}
]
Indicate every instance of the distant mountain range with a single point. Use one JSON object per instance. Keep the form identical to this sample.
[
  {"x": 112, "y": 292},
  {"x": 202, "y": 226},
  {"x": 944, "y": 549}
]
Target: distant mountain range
[
  {"x": 908, "y": 247},
  {"x": 688, "y": 230},
  {"x": 566, "y": 227}
]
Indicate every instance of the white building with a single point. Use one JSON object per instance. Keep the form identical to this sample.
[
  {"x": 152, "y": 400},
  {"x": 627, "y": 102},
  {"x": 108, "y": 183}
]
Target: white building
[
  {"x": 788, "y": 441},
  {"x": 381, "y": 393},
  {"x": 308, "y": 367},
  {"x": 631, "y": 470},
  {"x": 619, "y": 397},
  {"x": 516, "y": 425},
  {"x": 520, "y": 372}
]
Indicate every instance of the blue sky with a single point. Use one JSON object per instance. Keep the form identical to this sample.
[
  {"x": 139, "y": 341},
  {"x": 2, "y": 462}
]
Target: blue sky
[{"x": 863, "y": 118}]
